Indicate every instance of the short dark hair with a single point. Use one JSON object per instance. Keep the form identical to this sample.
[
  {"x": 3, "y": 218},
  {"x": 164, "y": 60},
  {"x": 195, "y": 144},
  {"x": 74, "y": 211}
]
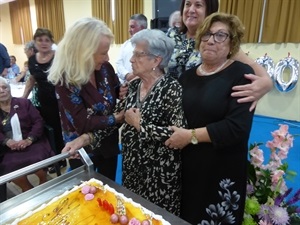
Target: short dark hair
[
  {"x": 43, "y": 32},
  {"x": 141, "y": 19},
  {"x": 14, "y": 57},
  {"x": 212, "y": 6}
]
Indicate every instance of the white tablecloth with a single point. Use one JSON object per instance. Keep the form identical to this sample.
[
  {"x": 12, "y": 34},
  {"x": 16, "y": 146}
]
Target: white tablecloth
[{"x": 17, "y": 89}]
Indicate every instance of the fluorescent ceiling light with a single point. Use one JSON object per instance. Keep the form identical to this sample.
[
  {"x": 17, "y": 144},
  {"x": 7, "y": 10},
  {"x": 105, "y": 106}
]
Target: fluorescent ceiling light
[{"x": 5, "y": 1}]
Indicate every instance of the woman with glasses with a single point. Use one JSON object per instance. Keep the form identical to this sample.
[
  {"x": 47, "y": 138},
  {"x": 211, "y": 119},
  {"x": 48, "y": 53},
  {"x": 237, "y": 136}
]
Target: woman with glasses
[
  {"x": 153, "y": 104},
  {"x": 214, "y": 148},
  {"x": 186, "y": 56}
]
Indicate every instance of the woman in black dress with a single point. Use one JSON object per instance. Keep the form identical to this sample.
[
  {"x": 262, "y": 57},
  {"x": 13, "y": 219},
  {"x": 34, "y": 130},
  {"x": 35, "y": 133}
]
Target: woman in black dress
[
  {"x": 214, "y": 149},
  {"x": 39, "y": 65}
]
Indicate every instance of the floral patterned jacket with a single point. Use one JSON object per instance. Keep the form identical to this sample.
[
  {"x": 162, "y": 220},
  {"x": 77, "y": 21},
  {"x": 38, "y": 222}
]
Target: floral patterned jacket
[{"x": 185, "y": 56}]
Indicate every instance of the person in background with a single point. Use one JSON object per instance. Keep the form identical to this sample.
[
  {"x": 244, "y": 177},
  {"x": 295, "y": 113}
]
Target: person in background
[
  {"x": 31, "y": 147},
  {"x": 29, "y": 51},
  {"x": 4, "y": 64},
  {"x": 215, "y": 147},
  {"x": 39, "y": 65},
  {"x": 24, "y": 75},
  {"x": 137, "y": 22},
  {"x": 87, "y": 88},
  {"x": 4, "y": 60},
  {"x": 185, "y": 55},
  {"x": 175, "y": 19},
  {"x": 14, "y": 69}
]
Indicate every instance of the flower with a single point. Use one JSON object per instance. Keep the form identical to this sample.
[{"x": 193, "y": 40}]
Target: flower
[{"x": 268, "y": 200}]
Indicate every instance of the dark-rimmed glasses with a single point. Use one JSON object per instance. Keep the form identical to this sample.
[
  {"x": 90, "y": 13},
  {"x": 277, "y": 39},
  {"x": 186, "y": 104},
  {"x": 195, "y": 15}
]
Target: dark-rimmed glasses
[{"x": 218, "y": 36}]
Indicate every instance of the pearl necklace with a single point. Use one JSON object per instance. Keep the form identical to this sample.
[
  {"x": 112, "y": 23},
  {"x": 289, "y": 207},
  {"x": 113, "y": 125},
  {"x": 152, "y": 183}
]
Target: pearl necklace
[{"x": 204, "y": 73}]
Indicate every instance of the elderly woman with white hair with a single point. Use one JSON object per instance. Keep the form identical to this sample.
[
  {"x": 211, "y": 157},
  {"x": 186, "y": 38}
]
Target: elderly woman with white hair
[
  {"x": 153, "y": 103},
  {"x": 20, "y": 149}
]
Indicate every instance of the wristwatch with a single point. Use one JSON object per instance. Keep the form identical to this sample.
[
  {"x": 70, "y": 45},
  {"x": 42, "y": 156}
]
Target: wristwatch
[
  {"x": 194, "y": 139},
  {"x": 30, "y": 139}
]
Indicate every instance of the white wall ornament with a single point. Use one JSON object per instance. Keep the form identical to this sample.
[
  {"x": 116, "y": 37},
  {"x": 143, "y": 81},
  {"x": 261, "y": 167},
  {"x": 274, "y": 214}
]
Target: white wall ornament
[
  {"x": 268, "y": 63},
  {"x": 293, "y": 65}
]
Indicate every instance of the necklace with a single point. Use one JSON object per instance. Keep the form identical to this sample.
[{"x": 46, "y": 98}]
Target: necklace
[
  {"x": 45, "y": 57},
  {"x": 139, "y": 102},
  {"x": 205, "y": 73}
]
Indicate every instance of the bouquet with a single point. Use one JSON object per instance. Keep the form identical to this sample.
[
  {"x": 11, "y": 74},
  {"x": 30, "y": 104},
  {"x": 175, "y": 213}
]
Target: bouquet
[{"x": 269, "y": 201}]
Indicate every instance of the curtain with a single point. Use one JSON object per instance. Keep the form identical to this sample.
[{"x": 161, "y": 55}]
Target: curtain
[
  {"x": 124, "y": 10},
  {"x": 101, "y": 9},
  {"x": 20, "y": 21},
  {"x": 50, "y": 15},
  {"x": 282, "y": 21},
  {"x": 249, "y": 12}
]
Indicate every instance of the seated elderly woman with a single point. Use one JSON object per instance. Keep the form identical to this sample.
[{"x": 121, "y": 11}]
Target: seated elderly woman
[
  {"x": 153, "y": 104},
  {"x": 20, "y": 149}
]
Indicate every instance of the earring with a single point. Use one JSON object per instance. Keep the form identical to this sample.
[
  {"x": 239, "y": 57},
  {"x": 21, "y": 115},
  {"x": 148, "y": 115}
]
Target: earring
[{"x": 153, "y": 68}]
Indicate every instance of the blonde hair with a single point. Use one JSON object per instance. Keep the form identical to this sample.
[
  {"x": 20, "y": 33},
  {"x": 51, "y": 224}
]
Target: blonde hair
[{"x": 73, "y": 62}]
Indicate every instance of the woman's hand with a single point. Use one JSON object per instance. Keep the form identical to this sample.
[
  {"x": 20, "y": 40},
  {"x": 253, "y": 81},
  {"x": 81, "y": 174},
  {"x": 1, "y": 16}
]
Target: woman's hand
[
  {"x": 76, "y": 144},
  {"x": 123, "y": 90},
  {"x": 119, "y": 116},
  {"x": 24, "y": 144},
  {"x": 179, "y": 139},
  {"x": 13, "y": 145},
  {"x": 252, "y": 92},
  {"x": 133, "y": 117},
  {"x": 261, "y": 83}
]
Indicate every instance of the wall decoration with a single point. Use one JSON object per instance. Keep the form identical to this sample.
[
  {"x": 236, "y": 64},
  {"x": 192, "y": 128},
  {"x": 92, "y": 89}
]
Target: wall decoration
[
  {"x": 268, "y": 63},
  {"x": 293, "y": 65}
]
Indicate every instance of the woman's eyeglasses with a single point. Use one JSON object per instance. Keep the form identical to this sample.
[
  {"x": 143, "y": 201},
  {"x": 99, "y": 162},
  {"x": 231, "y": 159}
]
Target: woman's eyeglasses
[
  {"x": 141, "y": 54},
  {"x": 218, "y": 36}
]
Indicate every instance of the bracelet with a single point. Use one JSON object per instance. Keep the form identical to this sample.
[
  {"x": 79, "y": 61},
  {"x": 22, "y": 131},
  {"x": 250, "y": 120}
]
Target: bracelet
[
  {"x": 30, "y": 139},
  {"x": 91, "y": 137}
]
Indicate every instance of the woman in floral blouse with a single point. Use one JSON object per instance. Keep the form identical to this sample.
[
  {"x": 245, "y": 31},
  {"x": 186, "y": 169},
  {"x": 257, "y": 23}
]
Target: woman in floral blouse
[{"x": 87, "y": 89}]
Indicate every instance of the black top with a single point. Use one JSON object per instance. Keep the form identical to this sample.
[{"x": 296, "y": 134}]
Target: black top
[
  {"x": 214, "y": 174},
  {"x": 47, "y": 98}
]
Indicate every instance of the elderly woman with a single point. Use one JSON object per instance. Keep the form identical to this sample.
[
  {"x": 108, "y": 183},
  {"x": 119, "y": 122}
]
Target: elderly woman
[
  {"x": 30, "y": 146},
  {"x": 87, "y": 87},
  {"x": 153, "y": 103},
  {"x": 214, "y": 148}
]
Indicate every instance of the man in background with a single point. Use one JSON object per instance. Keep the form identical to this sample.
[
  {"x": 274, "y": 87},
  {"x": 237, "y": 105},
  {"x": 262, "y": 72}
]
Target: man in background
[
  {"x": 14, "y": 69},
  {"x": 137, "y": 22},
  {"x": 4, "y": 59}
]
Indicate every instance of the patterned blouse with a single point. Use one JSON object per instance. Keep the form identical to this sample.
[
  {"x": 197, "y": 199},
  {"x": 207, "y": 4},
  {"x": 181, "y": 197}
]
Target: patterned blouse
[
  {"x": 150, "y": 168},
  {"x": 185, "y": 56},
  {"x": 89, "y": 109}
]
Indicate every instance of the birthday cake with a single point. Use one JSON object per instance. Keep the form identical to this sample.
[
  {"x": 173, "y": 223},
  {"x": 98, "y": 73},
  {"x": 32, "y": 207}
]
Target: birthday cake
[{"x": 91, "y": 203}]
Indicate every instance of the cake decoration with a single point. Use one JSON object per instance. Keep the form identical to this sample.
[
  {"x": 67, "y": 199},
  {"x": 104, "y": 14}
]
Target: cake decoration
[{"x": 91, "y": 203}]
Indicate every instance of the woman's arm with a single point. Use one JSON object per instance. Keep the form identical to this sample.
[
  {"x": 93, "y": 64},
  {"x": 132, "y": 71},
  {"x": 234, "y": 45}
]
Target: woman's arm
[
  {"x": 29, "y": 86},
  {"x": 170, "y": 112},
  {"x": 261, "y": 83}
]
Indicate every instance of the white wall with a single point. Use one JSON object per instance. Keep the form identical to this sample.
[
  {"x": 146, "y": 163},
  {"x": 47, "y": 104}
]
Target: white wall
[
  {"x": 278, "y": 104},
  {"x": 274, "y": 104}
]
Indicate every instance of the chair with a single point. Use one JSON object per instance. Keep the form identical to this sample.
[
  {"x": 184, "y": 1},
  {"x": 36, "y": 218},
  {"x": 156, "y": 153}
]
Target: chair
[{"x": 49, "y": 132}]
